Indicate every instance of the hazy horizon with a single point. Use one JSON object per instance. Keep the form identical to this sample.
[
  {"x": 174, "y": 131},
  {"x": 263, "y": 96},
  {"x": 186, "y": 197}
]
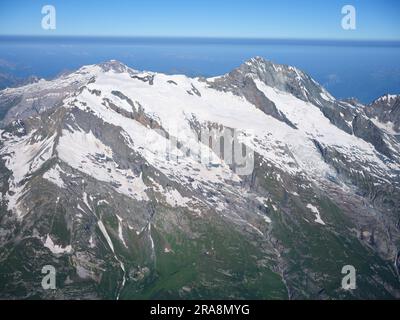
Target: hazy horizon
[{"x": 361, "y": 69}]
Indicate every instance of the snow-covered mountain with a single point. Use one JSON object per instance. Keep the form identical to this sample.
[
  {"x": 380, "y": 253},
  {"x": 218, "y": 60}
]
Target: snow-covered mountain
[{"x": 254, "y": 184}]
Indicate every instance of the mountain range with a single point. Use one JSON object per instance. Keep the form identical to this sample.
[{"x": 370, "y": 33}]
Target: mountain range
[{"x": 257, "y": 184}]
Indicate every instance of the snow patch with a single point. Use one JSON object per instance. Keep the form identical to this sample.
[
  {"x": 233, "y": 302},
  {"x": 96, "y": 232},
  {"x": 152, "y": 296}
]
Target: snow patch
[
  {"x": 317, "y": 214},
  {"x": 53, "y": 175},
  {"x": 56, "y": 249},
  {"x": 84, "y": 152},
  {"x": 120, "y": 233},
  {"x": 105, "y": 234}
]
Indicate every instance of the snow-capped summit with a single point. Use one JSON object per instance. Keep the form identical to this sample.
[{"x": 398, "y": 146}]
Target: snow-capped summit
[{"x": 115, "y": 66}]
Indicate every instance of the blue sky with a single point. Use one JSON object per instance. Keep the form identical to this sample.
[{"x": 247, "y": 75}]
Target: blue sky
[{"x": 321, "y": 19}]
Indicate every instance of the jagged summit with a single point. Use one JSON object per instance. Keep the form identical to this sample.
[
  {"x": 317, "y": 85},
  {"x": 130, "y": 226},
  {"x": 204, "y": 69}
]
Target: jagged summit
[
  {"x": 389, "y": 99},
  {"x": 262, "y": 64},
  {"x": 258, "y": 62},
  {"x": 285, "y": 78}
]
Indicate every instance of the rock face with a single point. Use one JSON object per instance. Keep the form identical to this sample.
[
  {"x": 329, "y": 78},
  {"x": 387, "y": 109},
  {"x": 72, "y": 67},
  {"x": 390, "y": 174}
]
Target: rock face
[
  {"x": 387, "y": 110},
  {"x": 367, "y": 130},
  {"x": 115, "y": 178}
]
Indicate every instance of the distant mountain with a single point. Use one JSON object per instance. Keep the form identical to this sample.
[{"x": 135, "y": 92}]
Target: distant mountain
[
  {"x": 7, "y": 80},
  {"x": 255, "y": 184}
]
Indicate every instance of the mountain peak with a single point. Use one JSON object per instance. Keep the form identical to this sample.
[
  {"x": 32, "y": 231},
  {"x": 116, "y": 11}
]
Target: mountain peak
[
  {"x": 113, "y": 65},
  {"x": 256, "y": 60},
  {"x": 285, "y": 78},
  {"x": 265, "y": 65},
  {"x": 386, "y": 98},
  {"x": 256, "y": 63}
]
